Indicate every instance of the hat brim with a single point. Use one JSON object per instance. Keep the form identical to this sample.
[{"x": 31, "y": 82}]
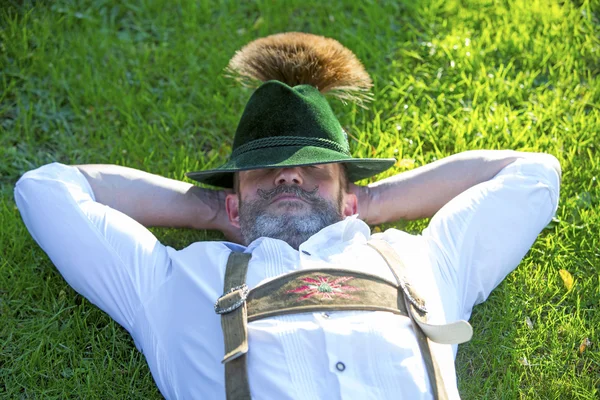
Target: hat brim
[{"x": 290, "y": 156}]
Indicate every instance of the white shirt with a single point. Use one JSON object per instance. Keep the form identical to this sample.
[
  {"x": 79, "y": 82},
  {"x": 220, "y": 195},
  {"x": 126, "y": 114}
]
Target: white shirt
[{"x": 164, "y": 297}]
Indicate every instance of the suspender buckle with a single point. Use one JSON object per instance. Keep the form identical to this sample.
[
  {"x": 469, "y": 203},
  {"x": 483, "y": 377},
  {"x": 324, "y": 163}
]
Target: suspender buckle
[{"x": 233, "y": 299}]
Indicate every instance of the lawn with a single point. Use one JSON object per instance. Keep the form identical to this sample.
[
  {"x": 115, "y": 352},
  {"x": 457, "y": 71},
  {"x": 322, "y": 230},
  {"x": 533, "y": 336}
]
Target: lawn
[{"x": 140, "y": 83}]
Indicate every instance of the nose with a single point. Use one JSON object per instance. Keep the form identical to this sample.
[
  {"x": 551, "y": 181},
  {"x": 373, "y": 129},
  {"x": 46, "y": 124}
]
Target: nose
[{"x": 288, "y": 176}]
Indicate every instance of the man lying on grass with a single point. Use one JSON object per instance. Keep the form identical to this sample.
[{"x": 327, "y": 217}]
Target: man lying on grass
[{"x": 333, "y": 311}]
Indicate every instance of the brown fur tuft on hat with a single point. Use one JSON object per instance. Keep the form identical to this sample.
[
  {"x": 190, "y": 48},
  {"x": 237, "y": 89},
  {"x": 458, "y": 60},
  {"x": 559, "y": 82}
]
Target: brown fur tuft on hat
[{"x": 296, "y": 58}]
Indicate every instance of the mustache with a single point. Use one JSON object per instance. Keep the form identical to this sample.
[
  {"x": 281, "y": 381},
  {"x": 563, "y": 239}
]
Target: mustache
[{"x": 308, "y": 195}]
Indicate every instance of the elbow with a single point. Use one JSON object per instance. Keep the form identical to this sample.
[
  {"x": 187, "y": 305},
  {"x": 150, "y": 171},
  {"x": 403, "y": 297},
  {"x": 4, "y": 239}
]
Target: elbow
[
  {"x": 48, "y": 183},
  {"x": 26, "y": 195},
  {"x": 29, "y": 191},
  {"x": 549, "y": 164},
  {"x": 22, "y": 187},
  {"x": 552, "y": 163},
  {"x": 546, "y": 168},
  {"x": 544, "y": 163}
]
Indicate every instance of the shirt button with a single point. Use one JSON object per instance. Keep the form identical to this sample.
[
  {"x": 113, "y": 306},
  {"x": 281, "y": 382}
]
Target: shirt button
[
  {"x": 306, "y": 252},
  {"x": 340, "y": 366}
]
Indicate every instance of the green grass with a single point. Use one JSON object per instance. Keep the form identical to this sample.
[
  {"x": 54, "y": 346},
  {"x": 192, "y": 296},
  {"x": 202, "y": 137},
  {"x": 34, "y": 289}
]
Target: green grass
[{"x": 140, "y": 84}]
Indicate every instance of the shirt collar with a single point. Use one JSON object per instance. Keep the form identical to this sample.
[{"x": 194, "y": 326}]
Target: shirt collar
[{"x": 347, "y": 230}]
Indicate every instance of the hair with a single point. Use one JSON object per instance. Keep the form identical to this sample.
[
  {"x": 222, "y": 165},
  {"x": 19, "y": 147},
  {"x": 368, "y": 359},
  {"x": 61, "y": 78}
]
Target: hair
[
  {"x": 236, "y": 183},
  {"x": 344, "y": 181},
  {"x": 296, "y": 58}
]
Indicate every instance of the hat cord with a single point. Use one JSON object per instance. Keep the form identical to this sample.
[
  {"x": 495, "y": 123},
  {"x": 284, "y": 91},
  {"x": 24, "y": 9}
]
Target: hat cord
[{"x": 290, "y": 141}]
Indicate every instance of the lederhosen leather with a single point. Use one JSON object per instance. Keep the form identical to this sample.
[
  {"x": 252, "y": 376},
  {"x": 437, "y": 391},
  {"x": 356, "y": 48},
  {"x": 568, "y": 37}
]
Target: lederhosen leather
[{"x": 319, "y": 290}]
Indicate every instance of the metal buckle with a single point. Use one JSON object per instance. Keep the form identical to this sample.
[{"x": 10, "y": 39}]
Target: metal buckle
[{"x": 243, "y": 288}]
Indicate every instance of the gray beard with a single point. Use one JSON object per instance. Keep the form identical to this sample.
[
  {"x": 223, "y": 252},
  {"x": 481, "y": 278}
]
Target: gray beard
[{"x": 294, "y": 229}]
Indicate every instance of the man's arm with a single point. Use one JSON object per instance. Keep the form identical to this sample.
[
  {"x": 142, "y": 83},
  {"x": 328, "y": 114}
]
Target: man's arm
[
  {"x": 109, "y": 258},
  {"x": 421, "y": 193},
  {"x": 153, "y": 200}
]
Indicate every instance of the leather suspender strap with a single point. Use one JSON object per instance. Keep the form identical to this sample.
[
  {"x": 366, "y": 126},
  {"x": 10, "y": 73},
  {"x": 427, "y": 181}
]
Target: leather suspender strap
[
  {"x": 232, "y": 307},
  {"x": 307, "y": 291},
  {"x": 412, "y": 300}
]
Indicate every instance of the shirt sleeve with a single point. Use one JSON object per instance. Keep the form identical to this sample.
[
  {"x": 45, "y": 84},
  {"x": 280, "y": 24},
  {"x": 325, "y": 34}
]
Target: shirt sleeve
[
  {"x": 106, "y": 256},
  {"x": 480, "y": 236}
]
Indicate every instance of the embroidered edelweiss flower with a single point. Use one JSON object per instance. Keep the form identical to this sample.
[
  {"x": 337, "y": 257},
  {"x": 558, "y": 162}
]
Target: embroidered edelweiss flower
[{"x": 325, "y": 288}]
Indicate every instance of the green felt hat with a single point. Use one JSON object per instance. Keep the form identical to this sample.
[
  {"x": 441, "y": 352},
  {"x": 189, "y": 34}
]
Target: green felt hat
[
  {"x": 287, "y": 121},
  {"x": 285, "y": 126}
]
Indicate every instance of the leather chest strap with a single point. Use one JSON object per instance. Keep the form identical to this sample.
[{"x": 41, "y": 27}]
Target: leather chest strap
[
  {"x": 415, "y": 304},
  {"x": 320, "y": 290},
  {"x": 234, "y": 321}
]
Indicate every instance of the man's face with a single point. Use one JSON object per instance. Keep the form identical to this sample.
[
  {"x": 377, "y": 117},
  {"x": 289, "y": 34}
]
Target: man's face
[{"x": 290, "y": 204}]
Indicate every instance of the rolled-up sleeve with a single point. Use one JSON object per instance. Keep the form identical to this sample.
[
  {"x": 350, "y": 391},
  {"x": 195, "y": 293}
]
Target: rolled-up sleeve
[
  {"x": 480, "y": 236},
  {"x": 102, "y": 253}
]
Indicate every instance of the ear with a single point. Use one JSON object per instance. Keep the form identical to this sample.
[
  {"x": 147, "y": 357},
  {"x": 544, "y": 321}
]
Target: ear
[
  {"x": 350, "y": 205},
  {"x": 232, "y": 206}
]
